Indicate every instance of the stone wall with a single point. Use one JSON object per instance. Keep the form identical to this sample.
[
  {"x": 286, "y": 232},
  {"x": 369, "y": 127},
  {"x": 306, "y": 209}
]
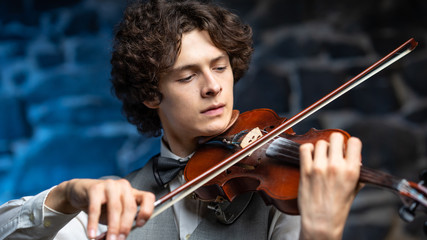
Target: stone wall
[{"x": 60, "y": 121}]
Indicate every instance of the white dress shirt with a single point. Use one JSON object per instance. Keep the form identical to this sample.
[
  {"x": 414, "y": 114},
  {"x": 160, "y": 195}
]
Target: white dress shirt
[{"x": 30, "y": 218}]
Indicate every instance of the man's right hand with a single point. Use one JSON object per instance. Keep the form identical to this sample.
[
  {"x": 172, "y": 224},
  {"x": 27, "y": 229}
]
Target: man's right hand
[{"x": 111, "y": 202}]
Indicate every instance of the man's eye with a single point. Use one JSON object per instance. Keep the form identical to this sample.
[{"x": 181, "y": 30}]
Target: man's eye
[
  {"x": 220, "y": 68},
  {"x": 186, "y": 79}
]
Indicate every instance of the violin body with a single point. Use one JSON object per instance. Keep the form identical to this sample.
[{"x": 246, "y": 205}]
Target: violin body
[{"x": 276, "y": 180}]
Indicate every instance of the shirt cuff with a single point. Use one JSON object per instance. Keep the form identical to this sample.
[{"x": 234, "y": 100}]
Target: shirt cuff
[
  {"x": 35, "y": 214},
  {"x": 54, "y": 219}
]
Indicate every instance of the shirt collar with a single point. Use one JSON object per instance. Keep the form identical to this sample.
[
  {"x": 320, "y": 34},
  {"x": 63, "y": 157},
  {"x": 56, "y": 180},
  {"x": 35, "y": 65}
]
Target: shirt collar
[{"x": 166, "y": 152}]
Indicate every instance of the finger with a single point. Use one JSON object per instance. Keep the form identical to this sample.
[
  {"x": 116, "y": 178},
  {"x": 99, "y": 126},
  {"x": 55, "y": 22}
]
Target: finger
[
  {"x": 145, "y": 201},
  {"x": 320, "y": 155},
  {"x": 306, "y": 157},
  {"x": 336, "y": 144},
  {"x": 96, "y": 199},
  {"x": 354, "y": 151},
  {"x": 129, "y": 209},
  {"x": 114, "y": 208}
]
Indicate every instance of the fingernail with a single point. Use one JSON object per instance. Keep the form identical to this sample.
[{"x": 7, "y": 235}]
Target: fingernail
[
  {"x": 92, "y": 233},
  {"x": 122, "y": 237},
  {"x": 141, "y": 222},
  {"x": 112, "y": 237}
]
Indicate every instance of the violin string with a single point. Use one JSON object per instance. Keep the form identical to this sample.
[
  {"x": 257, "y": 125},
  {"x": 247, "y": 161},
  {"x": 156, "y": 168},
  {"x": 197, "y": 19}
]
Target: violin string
[{"x": 283, "y": 149}]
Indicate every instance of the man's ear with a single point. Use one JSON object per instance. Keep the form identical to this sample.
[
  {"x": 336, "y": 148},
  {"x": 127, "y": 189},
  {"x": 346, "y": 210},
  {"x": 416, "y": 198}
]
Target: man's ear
[{"x": 153, "y": 104}]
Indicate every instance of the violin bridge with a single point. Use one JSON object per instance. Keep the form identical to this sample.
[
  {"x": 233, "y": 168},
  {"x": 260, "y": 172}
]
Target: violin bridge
[{"x": 252, "y": 136}]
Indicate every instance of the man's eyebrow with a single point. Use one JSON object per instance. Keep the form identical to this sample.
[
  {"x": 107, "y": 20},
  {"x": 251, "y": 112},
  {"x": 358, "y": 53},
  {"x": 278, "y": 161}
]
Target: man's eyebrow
[
  {"x": 219, "y": 58},
  {"x": 183, "y": 68},
  {"x": 190, "y": 66}
]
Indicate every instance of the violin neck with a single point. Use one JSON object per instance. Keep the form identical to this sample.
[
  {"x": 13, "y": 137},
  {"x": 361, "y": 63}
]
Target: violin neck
[
  {"x": 378, "y": 178},
  {"x": 288, "y": 151}
]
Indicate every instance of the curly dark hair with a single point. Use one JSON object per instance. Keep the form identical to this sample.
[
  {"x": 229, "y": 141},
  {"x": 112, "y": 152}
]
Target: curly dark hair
[{"x": 147, "y": 43}]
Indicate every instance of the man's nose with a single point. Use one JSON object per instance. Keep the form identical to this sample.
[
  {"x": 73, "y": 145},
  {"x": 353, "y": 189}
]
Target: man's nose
[{"x": 211, "y": 86}]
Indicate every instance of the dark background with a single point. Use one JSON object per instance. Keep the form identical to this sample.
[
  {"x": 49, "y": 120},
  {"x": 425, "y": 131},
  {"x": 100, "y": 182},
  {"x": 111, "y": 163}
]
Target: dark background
[{"x": 59, "y": 120}]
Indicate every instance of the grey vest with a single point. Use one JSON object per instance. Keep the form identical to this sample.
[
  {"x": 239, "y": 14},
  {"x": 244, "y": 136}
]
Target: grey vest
[{"x": 252, "y": 224}]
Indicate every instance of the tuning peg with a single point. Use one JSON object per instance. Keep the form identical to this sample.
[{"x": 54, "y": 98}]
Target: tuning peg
[{"x": 408, "y": 213}]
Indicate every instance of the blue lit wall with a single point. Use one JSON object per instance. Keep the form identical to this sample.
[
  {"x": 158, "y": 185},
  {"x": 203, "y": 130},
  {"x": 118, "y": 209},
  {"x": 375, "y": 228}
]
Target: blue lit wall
[{"x": 58, "y": 117}]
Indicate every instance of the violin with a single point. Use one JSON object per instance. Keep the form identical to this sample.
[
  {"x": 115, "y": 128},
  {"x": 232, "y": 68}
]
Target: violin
[{"x": 273, "y": 169}]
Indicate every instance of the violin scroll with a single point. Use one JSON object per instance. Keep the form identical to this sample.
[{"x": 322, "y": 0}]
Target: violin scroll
[{"x": 418, "y": 193}]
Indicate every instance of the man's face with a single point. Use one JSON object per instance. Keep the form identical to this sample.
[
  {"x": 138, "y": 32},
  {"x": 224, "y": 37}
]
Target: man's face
[{"x": 198, "y": 91}]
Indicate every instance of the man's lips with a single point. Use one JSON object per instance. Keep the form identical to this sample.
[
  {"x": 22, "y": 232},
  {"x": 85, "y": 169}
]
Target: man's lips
[{"x": 214, "y": 109}]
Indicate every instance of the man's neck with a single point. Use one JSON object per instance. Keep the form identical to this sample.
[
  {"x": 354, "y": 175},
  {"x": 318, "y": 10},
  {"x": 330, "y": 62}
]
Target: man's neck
[{"x": 179, "y": 148}]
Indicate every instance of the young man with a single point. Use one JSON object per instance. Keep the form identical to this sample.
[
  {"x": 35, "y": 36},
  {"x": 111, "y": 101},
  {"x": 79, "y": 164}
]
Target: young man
[{"x": 174, "y": 67}]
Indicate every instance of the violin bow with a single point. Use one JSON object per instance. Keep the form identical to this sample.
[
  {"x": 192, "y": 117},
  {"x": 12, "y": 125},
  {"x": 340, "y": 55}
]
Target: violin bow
[{"x": 186, "y": 189}]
